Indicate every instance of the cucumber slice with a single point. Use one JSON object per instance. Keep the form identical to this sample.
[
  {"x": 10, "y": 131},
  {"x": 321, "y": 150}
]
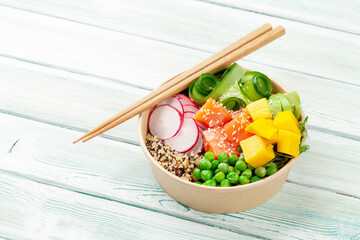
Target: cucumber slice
[
  {"x": 294, "y": 99},
  {"x": 274, "y": 105},
  {"x": 285, "y": 104}
]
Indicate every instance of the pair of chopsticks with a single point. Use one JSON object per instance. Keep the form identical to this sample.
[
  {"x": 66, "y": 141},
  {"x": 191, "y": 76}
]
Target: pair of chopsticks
[{"x": 222, "y": 59}]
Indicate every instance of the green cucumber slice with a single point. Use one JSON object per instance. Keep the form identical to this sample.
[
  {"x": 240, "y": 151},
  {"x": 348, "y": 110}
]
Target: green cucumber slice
[
  {"x": 294, "y": 99},
  {"x": 274, "y": 105},
  {"x": 285, "y": 104}
]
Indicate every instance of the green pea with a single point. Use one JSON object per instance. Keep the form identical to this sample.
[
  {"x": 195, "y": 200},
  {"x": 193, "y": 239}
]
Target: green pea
[
  {"x": 240, "y": 165},
  {"x": 219, "y": 176},
  {"x": 198, "y": 183},
  {"x": 231, "y": 169},
  {"x": 233, "y": 159},
  {"x": 244, "y": 180},
  {"x": 260, "y": 172},
  {"x": 211, "y": 183},
  {"x": 204, "y": 164},
  {"x": 216, "y": 171},
  {"x": 247, "y": 173},
  {"x": 239, "y": 149},
  {"x": 270, "y": 164},
  {"x": 209, "y": 156},
  {"x": 225, "y": 183},
  {"x": 214, "y": 165},
  {"x": 197, "y": 174},
  {"x": 232, "y": 177},
  {"x": 250, "y": 167},
  {"x": 223, "y": 158},
  {"x": 271, "y": 170},
  {"x": 223, "y": 167},
  {"x": 241, "y": 157},
  {"x": 237, "y": 171},
  {"x": 206, "y": 175},
  {"x": 254, "y": 179}
]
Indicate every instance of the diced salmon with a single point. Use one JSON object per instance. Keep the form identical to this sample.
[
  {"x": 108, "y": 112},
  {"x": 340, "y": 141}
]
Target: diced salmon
[
  {"x": 236, "y": 113},
  {"x": 235, "y": 129},
  {"x": 215, "y": 140},
  {"x": 212, "y": 114}
]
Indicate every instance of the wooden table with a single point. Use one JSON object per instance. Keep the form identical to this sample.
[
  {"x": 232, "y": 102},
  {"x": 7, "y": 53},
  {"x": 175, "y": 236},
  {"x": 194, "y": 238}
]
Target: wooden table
[{"x": 67, "y": 65}]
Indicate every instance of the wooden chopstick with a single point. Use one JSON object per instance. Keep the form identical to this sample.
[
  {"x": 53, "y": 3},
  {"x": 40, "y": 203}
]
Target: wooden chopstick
[
  {"x": 222, "y": 63},
  {"x": 222, "y": 59},
  {"x": 176, "y": 79}
]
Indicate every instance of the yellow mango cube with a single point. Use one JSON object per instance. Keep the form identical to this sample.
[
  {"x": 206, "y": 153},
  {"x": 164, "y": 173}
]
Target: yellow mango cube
[
  {"x": 287, "y": 121},
  {"x": 263, "y": 128},
  {"x": 256, "y": 151},
  {"x": 288, "y": 142},
  {"x": 259, "y": 109},
  {"x": 273, "y": 141}
]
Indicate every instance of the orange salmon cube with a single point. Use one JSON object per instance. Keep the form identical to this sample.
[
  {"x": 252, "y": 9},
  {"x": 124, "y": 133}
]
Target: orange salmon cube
[
  {"x": 212, "y": 114},
  {"x": 215, "y": 140},
  {"x": 235, "y": 129}
]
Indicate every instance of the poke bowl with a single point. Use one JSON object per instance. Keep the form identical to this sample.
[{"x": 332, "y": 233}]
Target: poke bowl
[{"x": 204, "y": 198}]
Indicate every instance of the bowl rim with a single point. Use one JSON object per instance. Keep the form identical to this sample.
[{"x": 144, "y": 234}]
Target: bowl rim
[{"x": 270, "y": 178}]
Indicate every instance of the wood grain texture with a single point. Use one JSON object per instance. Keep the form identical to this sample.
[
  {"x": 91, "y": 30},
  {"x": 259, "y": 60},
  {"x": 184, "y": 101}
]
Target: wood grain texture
[
  {"x": 341, "y": 16},
  {"x": 67, "y": 65},
  {"x": 31, "y": 210},
  {"x": 53, "y": 39},
  {"x": 33, "y": 91},
  {"x": 106, "y": 169}
]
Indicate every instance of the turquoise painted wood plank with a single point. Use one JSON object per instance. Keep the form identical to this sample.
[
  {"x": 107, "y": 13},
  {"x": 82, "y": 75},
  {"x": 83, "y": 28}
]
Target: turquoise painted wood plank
[
  {"x": 81, "y": 102},
  {"x": 31, "y": 210},
  {"x": 106, "y": 169},
  {"x": 341, "y": 16},
  {"x": 334, "y": 14},
  {"x": 305, "y": 48}
]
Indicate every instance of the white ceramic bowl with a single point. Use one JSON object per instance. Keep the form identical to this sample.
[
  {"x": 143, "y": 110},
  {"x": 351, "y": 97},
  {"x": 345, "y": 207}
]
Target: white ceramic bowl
[{"x": 215, "y": 199}]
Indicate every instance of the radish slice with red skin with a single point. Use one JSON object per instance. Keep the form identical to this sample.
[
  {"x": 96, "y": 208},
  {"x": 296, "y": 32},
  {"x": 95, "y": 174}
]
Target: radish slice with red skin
[
  {"x": 186, "y": 138},
  {"x": 190, "y": 108},
  {"x": 165, "y": 122},
  {"x": 179, "y": 95},
  {"x": 189, "y": 114},
  {"x": 199, "y": 144},
  {"x": 202, "y": 126},
  {"x": 187, "y": 102},
  {"x": 174, "y": 102}
]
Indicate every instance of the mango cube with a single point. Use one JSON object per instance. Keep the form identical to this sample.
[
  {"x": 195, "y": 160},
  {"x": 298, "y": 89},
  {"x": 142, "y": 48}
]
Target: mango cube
[
  {"x": 287, "y": 121},
  {"x": 256, "y": 151},
  {"x": 288, "y": 142},
  {"x": 259, "y": 109},
  {"x": 264, "y": 128}
]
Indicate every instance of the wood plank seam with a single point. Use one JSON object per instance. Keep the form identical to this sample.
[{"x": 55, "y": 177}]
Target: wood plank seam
[
  {"x": 275, "y": 16},
  {"x": 55, "y": 124},
  {"x": 152, "y": 39},
  {"x": 137, "y": 144},
  {"x": 109, "y": 198}
]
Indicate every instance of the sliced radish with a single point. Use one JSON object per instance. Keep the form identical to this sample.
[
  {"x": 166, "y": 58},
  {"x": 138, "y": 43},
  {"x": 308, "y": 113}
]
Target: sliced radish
[
  {"x": 189, "y": 114},
  {"x": 199, "y": 145},
  {"x": 165, "y": 122},
  {"x": 202, "y": 126},
  {"x": 179, "y": 95},
  {"x": 174, "y": 102},
  {"x": 186, "y": 137},
  {"x": 190, "y": 108},
  {"x": 187, "y": 102}
]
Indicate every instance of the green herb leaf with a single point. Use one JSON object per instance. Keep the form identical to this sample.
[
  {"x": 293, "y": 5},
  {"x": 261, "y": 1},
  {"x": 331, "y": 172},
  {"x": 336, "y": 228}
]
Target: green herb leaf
[
  {"x": 304, "y": 148},
  {"x": 303, "y": 124}
]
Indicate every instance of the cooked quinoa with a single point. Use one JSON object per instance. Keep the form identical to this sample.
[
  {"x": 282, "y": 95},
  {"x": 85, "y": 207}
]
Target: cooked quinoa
[{"x": 180, "y": 164}]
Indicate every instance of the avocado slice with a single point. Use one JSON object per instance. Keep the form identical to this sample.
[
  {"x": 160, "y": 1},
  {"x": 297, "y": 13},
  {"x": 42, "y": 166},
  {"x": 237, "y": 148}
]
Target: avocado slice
[
  {"x": 285, "y": 104},
  {"x": 274, "y": 105},
  {"x": 294, "y": 99}
]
